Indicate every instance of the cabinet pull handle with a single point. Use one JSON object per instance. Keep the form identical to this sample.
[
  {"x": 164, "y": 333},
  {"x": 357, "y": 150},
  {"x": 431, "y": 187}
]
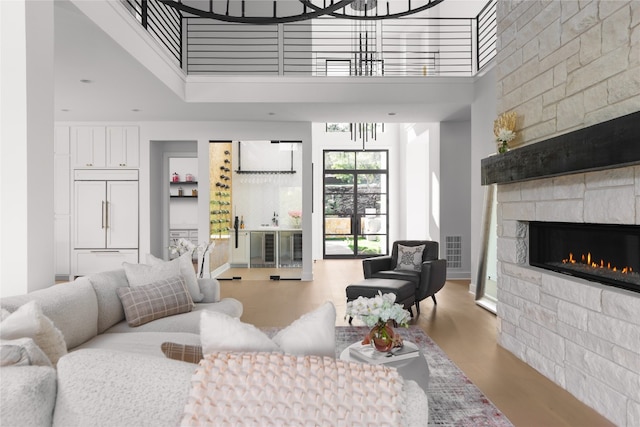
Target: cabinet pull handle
[
  {"x": 103, "y": 214},
  {"x": 107, "y": 214}
]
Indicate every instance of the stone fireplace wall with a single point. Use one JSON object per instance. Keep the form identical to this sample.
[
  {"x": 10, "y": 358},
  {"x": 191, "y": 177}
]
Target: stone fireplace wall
[{"x": 562, "y": 66}]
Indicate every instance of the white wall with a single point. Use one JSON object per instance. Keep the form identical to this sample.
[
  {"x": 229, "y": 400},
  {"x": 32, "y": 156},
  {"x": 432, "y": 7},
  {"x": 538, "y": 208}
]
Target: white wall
[
  {"x": 416, "y": 184},
  {"x": 26, "y": 153},
  {"x": 256, "y": 197},
  {"x": 455, "y": 194}
]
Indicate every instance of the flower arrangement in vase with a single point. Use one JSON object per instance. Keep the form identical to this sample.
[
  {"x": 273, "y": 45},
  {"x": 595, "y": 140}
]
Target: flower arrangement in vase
[
  {"x": 504, "y": 128},
  {"x": 296, "y": 218},
  {"x": 183, "y": 246},
  {"x": 380, "y": 313}
]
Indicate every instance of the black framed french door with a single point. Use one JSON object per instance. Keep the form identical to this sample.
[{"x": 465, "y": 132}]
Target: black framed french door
[{"x": 355, "y": 203}]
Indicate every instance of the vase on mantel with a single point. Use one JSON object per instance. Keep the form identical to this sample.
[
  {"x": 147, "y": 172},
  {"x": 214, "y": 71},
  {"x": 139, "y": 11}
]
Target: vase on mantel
[
  {"x": 382, "y": 336},
  {"x": 503, "y": 147}
]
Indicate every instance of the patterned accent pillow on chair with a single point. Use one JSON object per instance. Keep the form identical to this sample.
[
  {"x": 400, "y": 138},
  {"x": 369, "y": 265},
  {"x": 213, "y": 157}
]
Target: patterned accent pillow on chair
[{"x": 410, "y": 257}]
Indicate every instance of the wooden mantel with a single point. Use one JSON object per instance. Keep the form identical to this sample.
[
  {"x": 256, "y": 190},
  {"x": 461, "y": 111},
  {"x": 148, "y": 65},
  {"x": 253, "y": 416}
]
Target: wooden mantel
[{"x": 611, "y": 144}]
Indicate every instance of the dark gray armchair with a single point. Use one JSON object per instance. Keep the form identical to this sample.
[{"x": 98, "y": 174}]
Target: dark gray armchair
[{"x": 429, "y": 280}]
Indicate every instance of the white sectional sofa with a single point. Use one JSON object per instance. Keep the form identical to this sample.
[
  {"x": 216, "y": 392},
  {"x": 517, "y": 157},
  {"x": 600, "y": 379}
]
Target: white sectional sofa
[
  {"x": 117, "y": 375},
  {"x": 90, "y": 315}
]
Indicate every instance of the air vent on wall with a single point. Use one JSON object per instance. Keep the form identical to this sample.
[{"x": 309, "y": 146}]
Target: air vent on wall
[{"x": 453, "y": 251}]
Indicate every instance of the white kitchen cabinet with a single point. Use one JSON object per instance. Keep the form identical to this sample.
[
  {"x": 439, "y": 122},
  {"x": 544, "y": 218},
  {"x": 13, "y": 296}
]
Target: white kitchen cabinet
[
  {"x": 105, "y": 147},
  {"x": 88, "y": 147},
  {"x": 105, "y": 219},
  {"x": 122, "y": 147},
  {"x": 240, "y": 255},
  {"x": 95, "y": 261}
]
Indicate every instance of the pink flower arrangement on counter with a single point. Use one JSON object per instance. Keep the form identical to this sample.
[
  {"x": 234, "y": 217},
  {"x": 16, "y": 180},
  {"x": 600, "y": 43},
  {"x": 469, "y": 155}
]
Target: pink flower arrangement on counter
[
  {"x": 295, "y": 214},
  {"x": 296, "y": 218}
]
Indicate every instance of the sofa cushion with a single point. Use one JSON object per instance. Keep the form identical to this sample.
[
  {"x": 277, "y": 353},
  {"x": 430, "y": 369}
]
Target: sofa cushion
[
  {"x": 148, "y": 343},
  {"x": 186, "y": 270},
  {"x": 29, "y": 322},
  {"x": 27, "y": 395},
  {"x": 72, "y": 306},
  {"x": 22, "y": 352},
  {"x": 405, "y": 275},
  {"x": 185, "y": 322},
  {"x": 110, "y": 311},
  {"x": 410, "y": 257},
  {"x": 163, "y": 298},
  {"x": 143, "y": 274},
  {"x": 112, "y": 388}
]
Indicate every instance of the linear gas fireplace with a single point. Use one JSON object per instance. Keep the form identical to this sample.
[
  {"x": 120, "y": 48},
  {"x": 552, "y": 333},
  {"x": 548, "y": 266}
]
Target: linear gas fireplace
[{"x": 604, "y": 253}]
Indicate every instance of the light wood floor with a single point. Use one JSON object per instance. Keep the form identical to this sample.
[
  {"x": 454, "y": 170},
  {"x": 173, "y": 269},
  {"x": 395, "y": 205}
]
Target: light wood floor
[{"x": 466, "y": 332}]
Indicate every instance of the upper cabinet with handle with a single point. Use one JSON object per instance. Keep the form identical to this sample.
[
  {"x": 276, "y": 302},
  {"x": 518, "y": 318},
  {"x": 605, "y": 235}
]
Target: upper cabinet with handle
[{"x": 105, "y": 147}]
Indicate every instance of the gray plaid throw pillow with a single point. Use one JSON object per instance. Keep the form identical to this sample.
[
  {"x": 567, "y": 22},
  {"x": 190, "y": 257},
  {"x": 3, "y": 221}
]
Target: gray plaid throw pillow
[{"x": 163, "y": 298}]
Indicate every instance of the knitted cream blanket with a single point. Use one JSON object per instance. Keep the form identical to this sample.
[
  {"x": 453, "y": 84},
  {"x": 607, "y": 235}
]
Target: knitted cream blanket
[{"x": 273, "y": 389}]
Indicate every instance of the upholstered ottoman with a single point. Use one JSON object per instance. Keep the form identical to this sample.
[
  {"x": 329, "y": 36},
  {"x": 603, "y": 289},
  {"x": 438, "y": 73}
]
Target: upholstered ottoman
[{"x": 404, "y": 290}]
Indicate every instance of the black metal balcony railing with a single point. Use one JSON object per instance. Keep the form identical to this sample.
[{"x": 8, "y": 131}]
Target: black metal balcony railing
[
  {"x": 162, "y": 22},
  {"x": 487, "y": 34},
  {"x": 407, "y": 46}
]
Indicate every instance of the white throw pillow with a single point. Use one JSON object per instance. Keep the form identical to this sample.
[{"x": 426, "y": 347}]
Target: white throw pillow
[
  {"x": 311, "y": 334},
  {"x": 186, "y": 270},
  {"x": 221, "y": 332},
  {"x": 4, "y": 314},
  {"x": 143, "y": 274},
  {"x": 21, "y": 352},
  {"x": 28, "y": 321}
]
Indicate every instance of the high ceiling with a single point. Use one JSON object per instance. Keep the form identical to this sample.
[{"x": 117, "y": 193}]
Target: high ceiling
[{"x": 120, "y": 88}]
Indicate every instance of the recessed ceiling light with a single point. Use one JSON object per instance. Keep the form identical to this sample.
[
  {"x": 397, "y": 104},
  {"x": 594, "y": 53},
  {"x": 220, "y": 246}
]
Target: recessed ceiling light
[
  {"x": 272, "y": 113},
  {"x": 86, "y": 81},
  {"x": 392, "y": 114},
  {"x": 64, "y": 109},
  {"x": 135, "y": 110}
]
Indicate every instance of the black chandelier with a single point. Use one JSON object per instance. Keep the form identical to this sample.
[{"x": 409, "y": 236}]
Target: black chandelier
[{"x": 285, "y": 11}]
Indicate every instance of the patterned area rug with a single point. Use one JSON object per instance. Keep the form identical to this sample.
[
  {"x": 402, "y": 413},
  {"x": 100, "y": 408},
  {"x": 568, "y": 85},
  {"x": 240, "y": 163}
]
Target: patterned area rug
[{"x": 453, "y": 399}]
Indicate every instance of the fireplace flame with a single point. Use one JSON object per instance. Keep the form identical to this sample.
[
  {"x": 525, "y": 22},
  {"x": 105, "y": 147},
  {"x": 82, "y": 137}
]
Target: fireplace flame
[{"x": 586, "y": 259}]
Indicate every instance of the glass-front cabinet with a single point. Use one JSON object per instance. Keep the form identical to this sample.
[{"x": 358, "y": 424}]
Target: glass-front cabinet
[
  {"x": 281, "y": 248},
  {"x": 290, "y": 249}
]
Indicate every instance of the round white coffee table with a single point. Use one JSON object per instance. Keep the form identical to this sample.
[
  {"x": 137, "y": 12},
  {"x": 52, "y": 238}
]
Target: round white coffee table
[{"x": 414, "y": 368}]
